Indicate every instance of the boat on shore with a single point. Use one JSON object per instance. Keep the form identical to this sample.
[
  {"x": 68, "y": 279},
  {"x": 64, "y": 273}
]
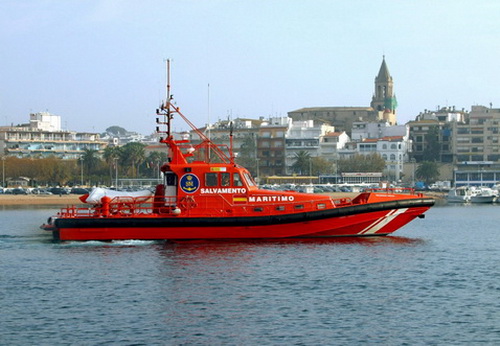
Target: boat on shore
[{"x": 206, "y": 195}]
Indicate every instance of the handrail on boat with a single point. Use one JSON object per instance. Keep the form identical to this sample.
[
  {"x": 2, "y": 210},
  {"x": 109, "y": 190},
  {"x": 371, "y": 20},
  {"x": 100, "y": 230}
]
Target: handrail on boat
[
  {"x": 136, "y": 206},
  {"x": 407, "y": 190}
]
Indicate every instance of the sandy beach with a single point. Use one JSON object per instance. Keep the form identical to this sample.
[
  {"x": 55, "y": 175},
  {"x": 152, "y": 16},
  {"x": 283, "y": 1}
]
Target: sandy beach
[{"x": 39, "y": 199}]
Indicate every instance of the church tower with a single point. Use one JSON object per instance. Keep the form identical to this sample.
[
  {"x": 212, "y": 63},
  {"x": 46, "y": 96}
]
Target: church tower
[{"x": 384, "y": 100}]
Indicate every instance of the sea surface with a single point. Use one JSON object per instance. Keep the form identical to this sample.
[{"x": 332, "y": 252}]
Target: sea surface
[{"x": 435, "y": 282}]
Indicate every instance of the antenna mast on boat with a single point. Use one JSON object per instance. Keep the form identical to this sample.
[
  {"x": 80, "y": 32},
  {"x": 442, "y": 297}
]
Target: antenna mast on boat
[
  {"x": 169, "y": 116},
  {"x": 167, "y": 109},
  {"x": 208, "y": 115}
]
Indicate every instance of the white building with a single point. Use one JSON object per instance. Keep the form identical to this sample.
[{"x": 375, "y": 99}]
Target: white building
[
  {"x": 364, "y": 130},
  {"x": 45, "y": 121},
  {"x": 331, "y": 143},
  {"x": 394, "y": 151},
  {"x": 304, "y": 136},
  {"x": 43, "y": 137}
]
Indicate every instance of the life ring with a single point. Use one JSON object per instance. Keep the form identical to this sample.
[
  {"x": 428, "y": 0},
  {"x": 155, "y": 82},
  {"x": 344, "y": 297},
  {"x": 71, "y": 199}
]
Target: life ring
[{"x": 187, "y": 202}]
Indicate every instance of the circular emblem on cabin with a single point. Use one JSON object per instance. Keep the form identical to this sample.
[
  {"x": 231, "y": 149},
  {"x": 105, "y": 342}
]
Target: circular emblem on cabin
[{"x": 189, "y": 183}]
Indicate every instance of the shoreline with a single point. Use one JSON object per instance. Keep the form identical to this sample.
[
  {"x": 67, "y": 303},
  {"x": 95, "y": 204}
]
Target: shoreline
[{"x": 39, "y": 199}]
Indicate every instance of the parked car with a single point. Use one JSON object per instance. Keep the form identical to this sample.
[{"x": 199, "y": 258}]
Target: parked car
[
  {"x": 79, "y": 190},
  {"x": 59, "y": 191}
]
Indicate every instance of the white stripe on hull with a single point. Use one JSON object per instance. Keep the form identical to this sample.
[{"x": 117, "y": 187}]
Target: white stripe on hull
[{"x": 383, "y": 221}]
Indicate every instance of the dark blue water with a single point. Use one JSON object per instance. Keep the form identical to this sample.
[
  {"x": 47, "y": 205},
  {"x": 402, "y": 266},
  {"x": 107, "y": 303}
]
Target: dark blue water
[{"x": 437, "y": 281}]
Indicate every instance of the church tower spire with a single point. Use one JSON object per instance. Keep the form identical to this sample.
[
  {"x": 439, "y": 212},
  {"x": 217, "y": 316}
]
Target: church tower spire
[{"x": 384, "y": 100}]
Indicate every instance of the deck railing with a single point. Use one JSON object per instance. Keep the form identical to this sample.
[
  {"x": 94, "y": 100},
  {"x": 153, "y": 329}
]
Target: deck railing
[{"x": 217, "y": 206}]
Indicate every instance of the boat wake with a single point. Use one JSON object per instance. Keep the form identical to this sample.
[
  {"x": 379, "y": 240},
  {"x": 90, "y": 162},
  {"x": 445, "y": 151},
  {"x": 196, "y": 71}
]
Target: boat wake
[{"x": 113, "y": 243}]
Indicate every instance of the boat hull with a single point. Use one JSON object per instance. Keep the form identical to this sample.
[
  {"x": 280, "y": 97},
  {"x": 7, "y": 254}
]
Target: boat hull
[
  {"x": 482, "y": 199},
  {"x": 357, "y": 220}
]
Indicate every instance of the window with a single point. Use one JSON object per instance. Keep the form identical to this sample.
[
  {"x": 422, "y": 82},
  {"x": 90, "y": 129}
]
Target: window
[
  {"x": 211, "y": 179},
  {"x": 249, "y": 179},
  {"x": 225, "y": 179},
  {"x": 237, "y": 180}
]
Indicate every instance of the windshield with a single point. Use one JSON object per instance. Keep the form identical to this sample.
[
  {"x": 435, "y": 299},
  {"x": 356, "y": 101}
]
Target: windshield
[{"x": 249, "y": 180}]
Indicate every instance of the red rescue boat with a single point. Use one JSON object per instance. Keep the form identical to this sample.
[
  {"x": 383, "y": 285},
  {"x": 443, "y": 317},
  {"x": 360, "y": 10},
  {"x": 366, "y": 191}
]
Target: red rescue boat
[{"x": 206, "y": 195}]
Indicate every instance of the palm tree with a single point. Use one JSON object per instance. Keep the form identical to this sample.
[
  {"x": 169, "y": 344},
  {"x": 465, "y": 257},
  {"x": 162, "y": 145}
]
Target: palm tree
[
  {"x": 302, "y": 163},
  {"x": 427, "y": 171},
  {"x": 133, "y": 154},
  {"x": 90, "y": 160},
  {"x": 154, "y": 160},
  {"x": 111, "y": 156}
]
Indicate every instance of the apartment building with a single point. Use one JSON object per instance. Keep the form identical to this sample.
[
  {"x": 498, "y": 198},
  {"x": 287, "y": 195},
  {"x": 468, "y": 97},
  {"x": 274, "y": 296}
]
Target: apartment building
[
  {"x": 306, "y": 136},
  {"x": 477, "y": 139},
  {"x": 43, "y": 137},
  {"x": 394, "y": 151}
]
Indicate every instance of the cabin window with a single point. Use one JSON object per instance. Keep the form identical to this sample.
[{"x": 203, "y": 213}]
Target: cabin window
[
  {"x": 249, "y": 180},
  {"x": 170, "y": 179},
  {"x": 211, "y": 179},
  {"x": 299, "y": 206},
  {"x": 321, "y": 205},
  {"x": 280, "y": 208},
  {"x": 237, "y": 180},
  {"x": 258, "y": 209},
  {"x": 225, "y": 179}
]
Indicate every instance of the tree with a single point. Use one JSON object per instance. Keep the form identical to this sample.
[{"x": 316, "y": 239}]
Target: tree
[
  {"x": 427, "y": 171},
  {"x": 90, "y": 159},
  {"x": 111, "y": 155},
  {"x": 302, "y": 163},
  {"x": 154, "y": 162},
  {"x": 362, "y": 163},
  {"x": 116, "y": 130},
  {"x": 432, "y": 147},
  {"x": 320, "y": 165},
  {"x": 91, "y": 163},
  {"x": 133, "y": 155},
  {"x": 247, "y": 154}
]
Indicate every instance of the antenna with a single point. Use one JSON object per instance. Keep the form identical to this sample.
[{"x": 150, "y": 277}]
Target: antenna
[
  {"x": 167, "y": 78},
  {"x": 208, "y": 109},
  {"x": 208, "y": 120}
]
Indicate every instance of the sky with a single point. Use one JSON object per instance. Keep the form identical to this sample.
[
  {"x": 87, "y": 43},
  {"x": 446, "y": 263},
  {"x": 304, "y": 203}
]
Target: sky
[{"x": 99, "y": 63}]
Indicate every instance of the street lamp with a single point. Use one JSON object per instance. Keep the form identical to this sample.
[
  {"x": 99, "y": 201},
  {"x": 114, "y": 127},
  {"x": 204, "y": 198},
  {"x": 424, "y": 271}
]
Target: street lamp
[
  {"x": 81, "y": 170},
  {"x": 116, "y": 172},
  {"x": 310, "y": 170},
  {"x": 413, "y": 161},
  {"x": 3, "y": 171},
  {"x": 257, "y": 164}
]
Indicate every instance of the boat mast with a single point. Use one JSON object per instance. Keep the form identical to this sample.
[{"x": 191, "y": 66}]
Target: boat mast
[
  {"x": 168, "y": 99},
  {"x": 167, "y": 110}
]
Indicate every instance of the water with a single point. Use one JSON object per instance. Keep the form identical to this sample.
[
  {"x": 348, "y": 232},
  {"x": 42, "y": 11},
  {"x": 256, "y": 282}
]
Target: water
[{"x": 437, "y": 281}]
